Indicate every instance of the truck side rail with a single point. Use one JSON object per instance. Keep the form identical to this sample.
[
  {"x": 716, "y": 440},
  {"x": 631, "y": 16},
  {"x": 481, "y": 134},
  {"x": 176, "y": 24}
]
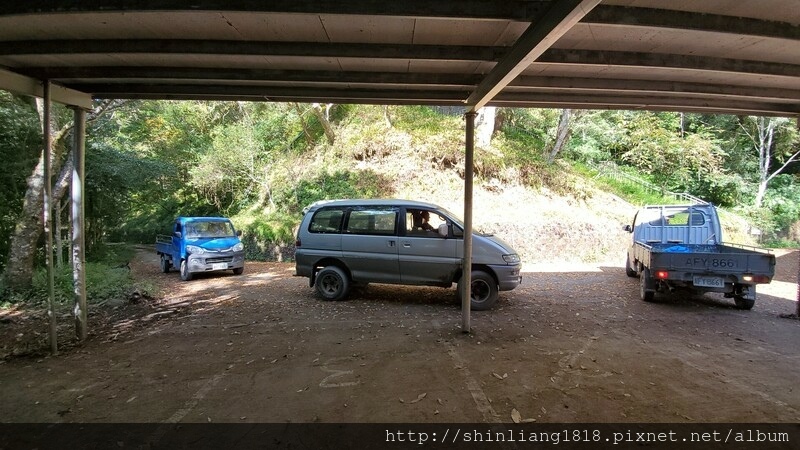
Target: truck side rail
[
  {"x": 163, "y": 239},
  {"x": 748, "y": 247}
]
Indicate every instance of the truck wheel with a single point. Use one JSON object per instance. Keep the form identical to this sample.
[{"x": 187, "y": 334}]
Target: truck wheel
[
  {"x": 238, "y": 271},
  {"x": 165, "y": 264},
  {"x": 483, "y": 291},
  {"x": 744, "y": 303},
  {"x": 628, "y": 270},
  {"x": 185, "y": 274},
  {"x": 644, "y": 282},
  {"x": 332, "y": 283}
]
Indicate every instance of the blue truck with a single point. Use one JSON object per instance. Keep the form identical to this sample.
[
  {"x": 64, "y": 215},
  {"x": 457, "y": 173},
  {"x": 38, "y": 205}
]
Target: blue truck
[
  {"x": 680, "y": 247},
  {"x": 201, "y": 244}
]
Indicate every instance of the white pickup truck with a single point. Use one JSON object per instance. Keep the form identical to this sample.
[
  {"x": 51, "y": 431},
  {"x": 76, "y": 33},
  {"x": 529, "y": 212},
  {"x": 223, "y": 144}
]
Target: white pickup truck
[{"x": 680, "y": 246}]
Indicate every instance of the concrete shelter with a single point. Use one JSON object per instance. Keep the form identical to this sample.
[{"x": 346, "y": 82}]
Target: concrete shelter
[{"x": 714, "y": 56}]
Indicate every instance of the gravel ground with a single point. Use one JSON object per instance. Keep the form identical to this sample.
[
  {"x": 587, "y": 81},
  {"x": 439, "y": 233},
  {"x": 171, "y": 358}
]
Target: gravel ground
[{"x": 572, "y": 344}]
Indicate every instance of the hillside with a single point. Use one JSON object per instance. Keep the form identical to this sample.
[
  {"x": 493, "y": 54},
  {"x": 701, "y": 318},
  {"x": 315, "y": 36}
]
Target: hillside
[
  {"x": 262, "y": 163},
  {"x": 549, "y": 213}
]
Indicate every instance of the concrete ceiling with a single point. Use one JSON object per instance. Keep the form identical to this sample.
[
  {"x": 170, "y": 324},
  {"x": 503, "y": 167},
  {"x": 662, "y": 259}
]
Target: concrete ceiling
[{"x": 729, "y": 56}]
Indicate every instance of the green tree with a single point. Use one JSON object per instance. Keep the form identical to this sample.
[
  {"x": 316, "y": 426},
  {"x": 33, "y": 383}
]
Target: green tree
[
  {"x": 654, "y": 144},
  {"x": 20, "y": 144},
  {"x": 776, "y": 143}
]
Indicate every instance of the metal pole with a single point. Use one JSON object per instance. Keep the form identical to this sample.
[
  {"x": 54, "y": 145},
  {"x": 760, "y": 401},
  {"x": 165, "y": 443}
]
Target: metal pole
[
  {"x": 57, "y": 235},
  {"x": 798, "y": 284},
  {"x": 78, "y": 241},
  {"x": 47, "y": 218},
  {"x": 466, "y": 295}
]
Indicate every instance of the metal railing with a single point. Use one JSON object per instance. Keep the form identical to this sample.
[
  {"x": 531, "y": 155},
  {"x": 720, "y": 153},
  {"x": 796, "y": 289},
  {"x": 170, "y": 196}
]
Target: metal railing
[{"x": 611, "y": 170}]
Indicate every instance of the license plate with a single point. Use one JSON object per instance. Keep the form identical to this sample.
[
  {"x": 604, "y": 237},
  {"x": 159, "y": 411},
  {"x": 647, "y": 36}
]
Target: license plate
[
  {"x": 709, "y": 282},
  {"x": 219, "y": 266}
]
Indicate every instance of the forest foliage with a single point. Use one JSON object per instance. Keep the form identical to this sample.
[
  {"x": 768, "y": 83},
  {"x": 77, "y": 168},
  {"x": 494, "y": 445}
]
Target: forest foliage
[{"x": 262, "y": 163}]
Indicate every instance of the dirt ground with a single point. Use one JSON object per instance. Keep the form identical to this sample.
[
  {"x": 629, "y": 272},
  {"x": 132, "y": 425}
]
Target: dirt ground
[{"x": 571, "y": 344}]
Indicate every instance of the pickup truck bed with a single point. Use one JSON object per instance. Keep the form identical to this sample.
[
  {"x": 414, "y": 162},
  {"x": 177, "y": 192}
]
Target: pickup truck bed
[{"x": 719, "y": 259}]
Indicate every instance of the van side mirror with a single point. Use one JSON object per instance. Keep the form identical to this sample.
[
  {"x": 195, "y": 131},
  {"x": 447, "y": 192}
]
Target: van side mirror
[
  {"x": 627, "y": 228},
  {"x": 238, "y": 233},
  {"x": 443, "y": 230}
]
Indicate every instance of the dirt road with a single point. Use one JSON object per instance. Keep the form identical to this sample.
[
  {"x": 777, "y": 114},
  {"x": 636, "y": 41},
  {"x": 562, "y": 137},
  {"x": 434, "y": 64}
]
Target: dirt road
[{"x": 576, "y": 346}]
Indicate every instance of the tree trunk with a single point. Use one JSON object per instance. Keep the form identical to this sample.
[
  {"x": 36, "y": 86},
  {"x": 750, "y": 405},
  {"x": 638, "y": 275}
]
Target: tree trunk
[
  {"x": 500, "y": 118},
  {"x": 303, "y": 122},
  {"x": 484, "y": 126},
  {"x": 386, "y": 117},
  {"x": 19, "y": 271},
  {"x": 765, "y": 129},
  {"x": 762, "y": 191},
  {"x": 316, "y": 108},
  {"x": 562, "y": 134}
]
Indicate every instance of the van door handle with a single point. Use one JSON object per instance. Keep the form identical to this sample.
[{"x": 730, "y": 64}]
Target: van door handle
[
  {"x": 390, "y": 243},
  {"x": 406, "y": 245}
]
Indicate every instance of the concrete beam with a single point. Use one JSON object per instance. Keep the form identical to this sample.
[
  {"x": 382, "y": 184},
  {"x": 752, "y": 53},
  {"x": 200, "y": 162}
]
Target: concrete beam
[
  {"x": 685, "y": 20},
  {"x": 20, "y": 84},
  {"x": 66, "y": 47},
  {"x": 518, "y": 10},
  {"x": 539, "y": 37}
]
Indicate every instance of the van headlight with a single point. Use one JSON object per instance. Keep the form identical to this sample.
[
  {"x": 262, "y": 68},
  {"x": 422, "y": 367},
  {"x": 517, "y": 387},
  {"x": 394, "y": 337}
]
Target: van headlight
[
  {"x": 512, "y": 258},
  {"x": 195, "y": 250},
  {"x": 238, "y": 247}
]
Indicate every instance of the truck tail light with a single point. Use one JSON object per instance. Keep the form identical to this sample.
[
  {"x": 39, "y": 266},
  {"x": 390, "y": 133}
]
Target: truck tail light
[
  {"x": 297, "y": 243},
  {"x": 662, "y": 274},
  {"x": 755, "y": 278}
]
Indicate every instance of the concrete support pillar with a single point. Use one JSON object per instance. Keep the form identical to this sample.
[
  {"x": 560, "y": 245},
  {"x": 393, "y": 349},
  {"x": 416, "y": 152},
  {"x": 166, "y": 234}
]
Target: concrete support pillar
[
  {"x": 47, "y": 216},
  {"x": 466, "y": 295},
  {"x": 78, "y": 232}
]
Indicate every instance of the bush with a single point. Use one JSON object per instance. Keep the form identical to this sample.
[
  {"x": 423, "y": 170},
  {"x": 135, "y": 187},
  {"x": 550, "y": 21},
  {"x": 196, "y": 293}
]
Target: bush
[
  {"x": 327, "y": 186},
  {"x": 103, "y": 283},
  {"x": 719, "y": 189},
  {"x": 268, "y": 238}
]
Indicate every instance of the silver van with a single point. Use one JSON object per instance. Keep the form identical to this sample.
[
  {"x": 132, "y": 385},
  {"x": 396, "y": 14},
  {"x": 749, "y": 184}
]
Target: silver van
[{"x": 346, "y": 242}]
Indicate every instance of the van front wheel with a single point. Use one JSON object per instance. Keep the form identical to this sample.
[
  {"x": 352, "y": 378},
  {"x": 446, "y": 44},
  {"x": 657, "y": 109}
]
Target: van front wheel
[
  {"x": 332, "y": 283},
  {"x": 483, "y": 291}
]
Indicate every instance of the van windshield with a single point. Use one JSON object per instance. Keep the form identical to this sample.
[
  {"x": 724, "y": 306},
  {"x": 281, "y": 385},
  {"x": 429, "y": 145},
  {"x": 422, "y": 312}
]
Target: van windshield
[{"x": 208, "y": 229}]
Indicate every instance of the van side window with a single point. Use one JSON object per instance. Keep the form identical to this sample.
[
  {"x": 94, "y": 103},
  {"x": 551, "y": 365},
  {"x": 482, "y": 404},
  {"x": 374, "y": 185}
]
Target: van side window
[
  {"x": 327, "y": 221},
  {"x": 423, "y": 223},
  {"x": 372, "y": 221}
]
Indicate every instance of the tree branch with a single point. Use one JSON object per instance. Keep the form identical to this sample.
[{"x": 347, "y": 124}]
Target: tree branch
[{"x": 788, "y": 161}]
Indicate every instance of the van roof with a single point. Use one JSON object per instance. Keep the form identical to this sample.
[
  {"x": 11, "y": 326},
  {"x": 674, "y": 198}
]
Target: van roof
[{"x": 371, "y": 202}]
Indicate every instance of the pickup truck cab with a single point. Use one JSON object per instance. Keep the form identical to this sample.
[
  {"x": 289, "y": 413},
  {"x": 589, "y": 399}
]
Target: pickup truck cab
[
  {"x": 201, "y": 244},
  {"x": 346, "y": 242},
  {"x": 680, "y": 246}
]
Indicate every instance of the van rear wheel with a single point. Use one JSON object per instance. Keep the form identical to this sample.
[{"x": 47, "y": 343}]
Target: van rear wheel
[
  {"x": 332, "y": 283},
  {"x": 483, "y": 291}
]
